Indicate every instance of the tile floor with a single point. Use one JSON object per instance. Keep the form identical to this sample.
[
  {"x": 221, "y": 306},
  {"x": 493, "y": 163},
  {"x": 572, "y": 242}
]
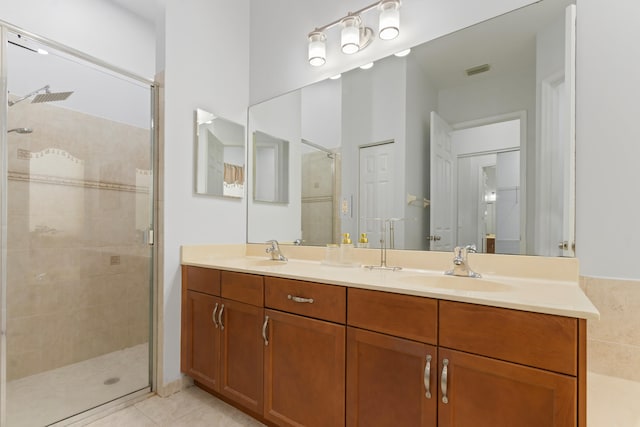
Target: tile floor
[
  {"x": 191, "y": 407},
  {"x": 47, "y": 397},
  {"x": 613, "y": 402}
]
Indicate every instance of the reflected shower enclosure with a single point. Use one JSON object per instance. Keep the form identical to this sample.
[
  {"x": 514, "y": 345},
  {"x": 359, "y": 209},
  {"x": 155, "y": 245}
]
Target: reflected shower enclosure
[{"x": 78, "y": 206}]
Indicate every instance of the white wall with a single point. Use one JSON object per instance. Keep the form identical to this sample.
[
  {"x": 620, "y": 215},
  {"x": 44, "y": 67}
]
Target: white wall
[
  {"x": 499, "y": 136},
  {"x": 321, "y": 107},
  {"x": 608, "y": 139},
  {"x": 201, "y": 72},
  {"x": 96, "y": 27},
  {"x": 279, "y": 30}
]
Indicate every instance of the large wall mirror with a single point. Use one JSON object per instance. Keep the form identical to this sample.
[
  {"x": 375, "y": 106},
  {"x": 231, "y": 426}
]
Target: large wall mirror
[
  {"x": 219, "y": 156},
  {"x": 468, "y": 139}
]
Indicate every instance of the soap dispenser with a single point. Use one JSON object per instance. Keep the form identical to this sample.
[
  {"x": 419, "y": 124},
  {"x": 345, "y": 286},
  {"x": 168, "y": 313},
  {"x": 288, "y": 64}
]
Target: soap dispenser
[
  {"x": 346, "y": 249},
  {"x": 364, "y": 241}
]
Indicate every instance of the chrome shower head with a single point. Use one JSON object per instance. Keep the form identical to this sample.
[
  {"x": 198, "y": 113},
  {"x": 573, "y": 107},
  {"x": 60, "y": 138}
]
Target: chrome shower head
[
  {"x": 20, "y": 130},
  {"x": 51, "y": 97},
  {"x": 47, "y": 96}
]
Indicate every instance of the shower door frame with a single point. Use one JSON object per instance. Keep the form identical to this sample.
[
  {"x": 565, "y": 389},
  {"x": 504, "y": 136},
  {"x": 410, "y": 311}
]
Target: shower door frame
[{"x": 5, "y": 28}]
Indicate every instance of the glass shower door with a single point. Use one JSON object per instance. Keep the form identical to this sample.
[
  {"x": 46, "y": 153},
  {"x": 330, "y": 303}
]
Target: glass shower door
[{"x": 79, "y": 193}]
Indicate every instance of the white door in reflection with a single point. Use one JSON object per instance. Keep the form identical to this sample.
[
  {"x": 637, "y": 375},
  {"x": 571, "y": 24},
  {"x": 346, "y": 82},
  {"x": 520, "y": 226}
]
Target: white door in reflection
[
  {"x": 442, "y": 234},
  {"x": 376, "y": 191}
]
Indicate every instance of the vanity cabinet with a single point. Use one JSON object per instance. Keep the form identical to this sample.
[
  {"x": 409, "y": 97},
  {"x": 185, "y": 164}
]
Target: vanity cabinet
[
  {"x": 508, "y": 367},
  {"x": 241, "y": 355},
  {"x": 304, "y": 343},
  {"x": 200, "y": 339},
  {"x": 221, "y": 335},
  {"x": 391, "y": 359},
  {"x": 429, "y": 362},
  {"x": 297, "y": 353},
  {"x": 485, "y": 392}
]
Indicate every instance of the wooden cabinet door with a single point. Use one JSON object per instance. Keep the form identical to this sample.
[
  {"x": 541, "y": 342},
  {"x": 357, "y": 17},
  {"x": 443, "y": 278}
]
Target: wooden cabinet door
[
  {"x": 390, "y": 381},
  {"x": 201, "y": 336},
  {"x": 241, "y": 354},
  {"x": 484, "y": 392},
  {"x": 304, "y": 367}
]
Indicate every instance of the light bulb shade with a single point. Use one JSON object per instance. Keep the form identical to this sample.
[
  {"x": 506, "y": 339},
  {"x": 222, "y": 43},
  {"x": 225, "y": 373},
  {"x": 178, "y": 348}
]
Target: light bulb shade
[
  {"x": 389, "y": 22},
  {"x": 350, "y": 36},
  {"x": 317, "y": 48}
]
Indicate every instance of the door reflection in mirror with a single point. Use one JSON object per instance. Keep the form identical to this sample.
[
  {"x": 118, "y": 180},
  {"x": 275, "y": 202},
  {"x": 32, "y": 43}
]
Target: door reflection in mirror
[{"x": 489, "y": 177}]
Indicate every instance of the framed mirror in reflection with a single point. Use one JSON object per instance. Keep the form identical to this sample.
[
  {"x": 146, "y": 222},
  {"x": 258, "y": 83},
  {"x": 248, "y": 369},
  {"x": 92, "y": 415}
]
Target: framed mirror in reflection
[
  {"x": 467, "y": 140},
  {"x": 219, "y": 156}
]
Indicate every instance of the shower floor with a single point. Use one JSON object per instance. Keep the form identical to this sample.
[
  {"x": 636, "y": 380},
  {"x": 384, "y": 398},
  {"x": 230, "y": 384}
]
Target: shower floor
[{"x": 48, "y": 397}]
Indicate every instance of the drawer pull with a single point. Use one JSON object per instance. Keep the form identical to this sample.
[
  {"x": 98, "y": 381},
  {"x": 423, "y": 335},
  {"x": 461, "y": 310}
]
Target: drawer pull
[
  {"x": 300, "y": 299},
  {"x": 220, "y": 318},
  {"x": 427, "y": 377},
  {"x": 213, "y": 316},
  {"x": 443, "y": 381},
  {"x": 264, "y": 330}
]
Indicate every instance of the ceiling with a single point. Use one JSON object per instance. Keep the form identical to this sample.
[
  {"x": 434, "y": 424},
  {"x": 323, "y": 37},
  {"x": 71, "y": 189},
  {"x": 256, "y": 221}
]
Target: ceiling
[{"x": 445, "y": 59}]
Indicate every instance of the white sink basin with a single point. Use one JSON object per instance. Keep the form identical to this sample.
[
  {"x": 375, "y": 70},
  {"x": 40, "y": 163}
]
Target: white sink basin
[{"x": 457, "y": 283}]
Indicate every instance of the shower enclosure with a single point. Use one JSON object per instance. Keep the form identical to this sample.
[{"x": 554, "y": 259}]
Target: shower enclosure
[{"x": 76, "y": 199}]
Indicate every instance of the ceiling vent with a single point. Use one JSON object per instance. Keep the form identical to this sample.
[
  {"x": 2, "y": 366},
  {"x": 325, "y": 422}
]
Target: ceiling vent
[{"x": 477, "y": 70}]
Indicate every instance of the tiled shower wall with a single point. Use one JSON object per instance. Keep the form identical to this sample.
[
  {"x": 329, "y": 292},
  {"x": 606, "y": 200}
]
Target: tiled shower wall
[
  {"x": 321, "y": 181},
  {"x": 78, "y": 267},
  {"x": 614, "y": 340}
]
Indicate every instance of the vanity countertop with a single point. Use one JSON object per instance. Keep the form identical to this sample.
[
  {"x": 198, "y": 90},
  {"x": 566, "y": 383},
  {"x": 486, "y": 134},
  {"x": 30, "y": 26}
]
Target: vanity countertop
[{"x": 558, "y": 294}]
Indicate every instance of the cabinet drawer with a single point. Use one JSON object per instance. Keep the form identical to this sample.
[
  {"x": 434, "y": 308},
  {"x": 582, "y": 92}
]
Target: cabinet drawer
[
  {"x": 405, "y": 316},
  {"x": 294, "y": 296},
  {"x": 243, "y": 287},
  {"x": 201, "y": 279},
  {"x": 540, "y": 340}
]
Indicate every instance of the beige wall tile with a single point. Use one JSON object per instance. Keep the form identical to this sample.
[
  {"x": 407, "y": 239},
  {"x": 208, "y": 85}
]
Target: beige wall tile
[
  {"x": 64, "y": 294},
  {"x": 619, "y": 304},
  {"x": 614, "y": 359},
  {"x": 614, "y": 340}
]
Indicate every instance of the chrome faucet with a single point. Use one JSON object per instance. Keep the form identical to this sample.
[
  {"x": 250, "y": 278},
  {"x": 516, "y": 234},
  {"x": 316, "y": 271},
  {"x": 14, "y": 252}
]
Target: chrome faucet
[
  {"x": 461, "y": 263},
  {"x": 274, "y": 250}
]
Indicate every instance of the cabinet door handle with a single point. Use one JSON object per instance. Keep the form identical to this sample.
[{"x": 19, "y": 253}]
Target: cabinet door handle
[
  {"x": 443, "y": 381},
  {"x": 300, "y": 299},
  {"x": 427, "y": 377},
  {"x": 220, "y": 318},
  {"x": 213, "y": 316},
  {"x": 264, "y": 330}
]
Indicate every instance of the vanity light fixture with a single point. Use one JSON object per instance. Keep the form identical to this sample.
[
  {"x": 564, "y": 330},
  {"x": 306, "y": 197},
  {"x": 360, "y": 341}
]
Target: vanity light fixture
[
  {"x": 350, "y": 34},
  {"x": 354, "y": 35},
  {"x": 317, "y": 48},
  {"x": 336, "y": 77},
  {"x": 367, "y": 66},
  {"x": 389, "y": 22}
]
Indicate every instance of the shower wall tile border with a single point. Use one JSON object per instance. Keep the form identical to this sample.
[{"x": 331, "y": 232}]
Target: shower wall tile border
[{"x": 55, "y": 180}]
